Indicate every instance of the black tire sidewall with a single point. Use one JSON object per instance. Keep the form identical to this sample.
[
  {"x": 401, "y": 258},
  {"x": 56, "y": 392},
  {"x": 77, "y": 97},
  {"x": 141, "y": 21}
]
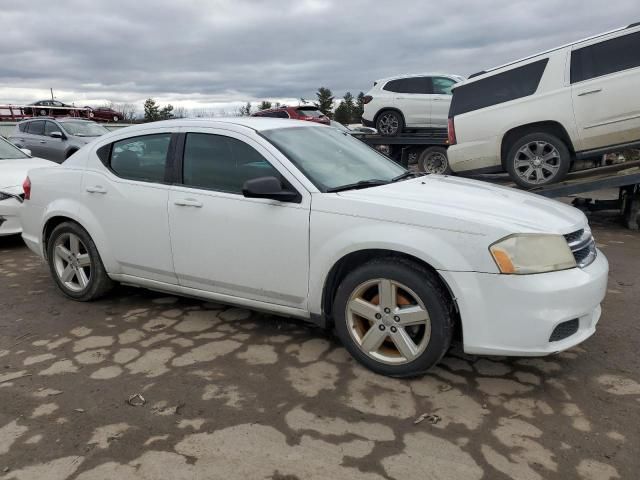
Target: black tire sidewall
[
  {"x": 400, "y": 123},
  {"x": 426, "y": 286},
  {"x": 99, "y": 282},
  {"x": 565, "y": 157},
  {"x": 429, "y": 151}
]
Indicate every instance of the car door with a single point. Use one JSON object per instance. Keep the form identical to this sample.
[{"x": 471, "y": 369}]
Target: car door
[
  {"x": 34, "y": 138},
  {"x": 441, "y": 100},
  {"x": 225, "y": 243},
  {"x": 605, "y": 76},
  {"x": 412, "y": 97},
  {"x": 126, "y": 191},
  {"x": 53, "y": 148}
]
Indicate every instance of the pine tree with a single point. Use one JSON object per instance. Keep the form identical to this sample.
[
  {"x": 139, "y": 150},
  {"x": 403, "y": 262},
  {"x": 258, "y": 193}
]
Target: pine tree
[
  {"x": 265, "y": 105},
  {"x": 166, "y": 112},
  {"x": 151, "y": 110},
  {"x": 325, "y": 101},
  {"x": 342, "y": 114},
  {"x": 359, "y": 110}
]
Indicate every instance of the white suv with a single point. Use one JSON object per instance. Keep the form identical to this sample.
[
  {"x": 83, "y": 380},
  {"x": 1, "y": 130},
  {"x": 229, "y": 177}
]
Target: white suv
[
  {"x": 409, "y": 101},
  {"x": 534, "y": 117}
]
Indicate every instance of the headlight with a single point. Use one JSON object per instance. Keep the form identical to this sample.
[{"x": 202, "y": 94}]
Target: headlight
[{"x": 532, "y": 253}]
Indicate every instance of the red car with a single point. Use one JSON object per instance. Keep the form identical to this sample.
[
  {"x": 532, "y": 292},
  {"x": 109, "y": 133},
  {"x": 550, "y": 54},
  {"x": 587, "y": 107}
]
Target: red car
[
  {"x": 309, "y": 113},
  {"x": 103, "y": 114}
]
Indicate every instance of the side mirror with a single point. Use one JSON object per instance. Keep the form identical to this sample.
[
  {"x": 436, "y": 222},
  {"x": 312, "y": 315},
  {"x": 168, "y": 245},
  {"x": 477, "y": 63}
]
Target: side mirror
[
  {"x": 269, "y": 187},
  {"x": 59, "y": 135},
  {"x": 26, "y": 151}
]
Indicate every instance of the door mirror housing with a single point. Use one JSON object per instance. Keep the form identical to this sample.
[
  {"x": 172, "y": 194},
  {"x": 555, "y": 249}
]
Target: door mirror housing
[
  {"x": 59, "y": 135},
  {"x": 271, "y": 188}
]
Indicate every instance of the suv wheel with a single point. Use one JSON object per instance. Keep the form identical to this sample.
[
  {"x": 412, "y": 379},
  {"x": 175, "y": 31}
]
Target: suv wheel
[
  {"x": 393, "y": 317},
  {"x": 538, "y": 159},
  {"x": 389, "y": 123},
  {"x": 75, "y": 263},
  {"x": 434, "y": 160}
]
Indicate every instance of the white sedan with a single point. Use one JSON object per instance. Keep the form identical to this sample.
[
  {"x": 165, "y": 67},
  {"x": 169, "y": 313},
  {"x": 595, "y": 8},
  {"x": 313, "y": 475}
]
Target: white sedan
[
  {"x": 305, "y": 221},
  {"x": 14, "y": 165}
]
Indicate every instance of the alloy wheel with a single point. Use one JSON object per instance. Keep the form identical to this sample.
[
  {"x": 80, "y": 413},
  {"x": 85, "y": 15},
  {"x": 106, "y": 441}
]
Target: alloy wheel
[
  {"x": 537, "y": 162},
  {"x": 388, "y": 321},
  {"x": 72, "y": 262},
  {"x": 388, "y": 124}
]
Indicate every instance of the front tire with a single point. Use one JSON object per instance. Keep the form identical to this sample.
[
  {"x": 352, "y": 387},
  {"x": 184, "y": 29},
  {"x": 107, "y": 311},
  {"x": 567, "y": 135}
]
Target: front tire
[
  {"x": 538, "y": 159},
  {"x": 389, "y": 123},
  {"x": 394, "y": 317},
  {"x": 434, "y": 160},
  {"x": 75, "y": 263}
]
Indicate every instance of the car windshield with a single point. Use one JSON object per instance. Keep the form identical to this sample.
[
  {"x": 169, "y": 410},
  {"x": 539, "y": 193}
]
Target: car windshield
[
  {"x": 10, "y": 152},
  {"x": 310, "y": 112},
  {"x": 331, "y": 159},
  {"x": 84, "y": 129}
]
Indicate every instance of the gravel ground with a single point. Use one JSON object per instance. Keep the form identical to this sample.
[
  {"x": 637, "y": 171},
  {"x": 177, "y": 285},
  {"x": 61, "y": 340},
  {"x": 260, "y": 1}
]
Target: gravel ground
[{"x": 236, "y": 394}]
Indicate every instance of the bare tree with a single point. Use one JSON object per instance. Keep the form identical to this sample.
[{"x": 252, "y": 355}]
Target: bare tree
[{"x": 179, "y": 112}]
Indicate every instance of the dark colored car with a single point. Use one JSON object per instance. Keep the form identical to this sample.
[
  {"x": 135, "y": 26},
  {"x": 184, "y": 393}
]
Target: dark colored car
[
  {"x": 104, "y": 114},
  {"x": 51, "y": 108},
  {"x": 309, "y": 113}
]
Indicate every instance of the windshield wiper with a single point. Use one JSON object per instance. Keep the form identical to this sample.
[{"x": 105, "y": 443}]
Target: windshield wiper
[
  {"x": 358, "y": 185},
  {"x": 404, "y": 175}
]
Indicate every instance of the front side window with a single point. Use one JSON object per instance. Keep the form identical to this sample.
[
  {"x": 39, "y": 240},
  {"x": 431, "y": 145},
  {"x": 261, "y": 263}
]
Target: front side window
[
  {"x": 36, "y": 128},
  {"x": 442, "y": 85},
  {"x": 50, "y": 127},
  {"x": 330, "y": 158},
  {"x": 141, "y": 158},
  {"x": 216, "y": 162},
  {"x": 408, "y": 85},
  {"x": 605, "y": 58},
  {"x": 499, "y": 88}
]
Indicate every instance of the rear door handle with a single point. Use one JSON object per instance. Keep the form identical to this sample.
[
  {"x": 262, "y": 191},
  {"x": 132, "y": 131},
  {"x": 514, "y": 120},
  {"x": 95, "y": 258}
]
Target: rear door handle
[
  {"x": 188, "y": 202},
  {"x": 589, "y": 92},
  {"x": 96, "y": 189}
]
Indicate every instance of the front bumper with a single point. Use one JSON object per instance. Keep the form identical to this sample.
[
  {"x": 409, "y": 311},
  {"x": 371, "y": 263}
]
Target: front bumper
[
  {"x": 517, "y": 314},
  {"x": 9, "y": 219}
]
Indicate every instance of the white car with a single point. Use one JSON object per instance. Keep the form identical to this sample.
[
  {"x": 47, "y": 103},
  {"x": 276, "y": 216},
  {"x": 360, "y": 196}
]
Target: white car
[
  {"x": 409, "y": 102},
  {"x": 14, "y": 165},
  {"x": 302, "y": 220},
  {"x": 535, "y": 116}
]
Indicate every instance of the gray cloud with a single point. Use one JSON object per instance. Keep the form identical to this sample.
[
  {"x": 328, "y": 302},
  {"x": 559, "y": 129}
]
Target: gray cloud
[{"x": 215, "y": 52}]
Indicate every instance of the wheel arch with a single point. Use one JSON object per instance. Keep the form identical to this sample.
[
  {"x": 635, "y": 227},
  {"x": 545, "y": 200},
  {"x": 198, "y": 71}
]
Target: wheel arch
[
  {"x": 548, "y": 126},
  {"x": 354, "y": 259},
  {"x": 387, "y": 109}
]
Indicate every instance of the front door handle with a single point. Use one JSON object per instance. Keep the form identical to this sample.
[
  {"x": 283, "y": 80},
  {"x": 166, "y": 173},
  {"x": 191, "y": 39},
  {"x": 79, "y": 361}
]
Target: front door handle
[
  {"x": 42, "y": 141},
  {"x": 188, "y": 202},
  {"x": 589, "y": 92},
  {"x": 96, "y": 189}
]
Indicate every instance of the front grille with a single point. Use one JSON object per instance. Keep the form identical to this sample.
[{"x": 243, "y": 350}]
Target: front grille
[
  {"x": 564, "y": 330},
  {"x": 583, "y": 247}
]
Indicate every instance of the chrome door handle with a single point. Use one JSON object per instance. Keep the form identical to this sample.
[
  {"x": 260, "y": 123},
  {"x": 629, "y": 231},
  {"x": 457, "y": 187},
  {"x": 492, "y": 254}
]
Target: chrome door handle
[
  {"x": 96, "y": 189},
  {"x": 188, "y": 202},
  {"x": 589, "y": 92}
]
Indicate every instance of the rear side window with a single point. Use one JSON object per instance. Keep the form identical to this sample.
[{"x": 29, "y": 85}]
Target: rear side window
[
  {"x": 141, "y": 158},
  {"x": 408, "y": 85},
  {"x": 23, "y": 126},
  {"x": 36, "y": 128},
  {"x": 216, "y": 162},
  {"x": 308, "y": 112},
  {"x": 604, "y": 58},
  {"x": 503, "y": 87}
]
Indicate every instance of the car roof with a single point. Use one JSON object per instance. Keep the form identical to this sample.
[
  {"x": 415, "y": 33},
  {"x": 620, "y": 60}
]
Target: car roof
[
  {"x": 428, "y": 74},
  {"x": 551, "y": 50},
  {"x": 255, "y": 123}
]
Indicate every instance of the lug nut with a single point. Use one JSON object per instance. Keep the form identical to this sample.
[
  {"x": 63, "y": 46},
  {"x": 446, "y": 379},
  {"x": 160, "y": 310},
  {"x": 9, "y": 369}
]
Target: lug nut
[
  {"x": 378, "y": 316},
  {"x": 387, "y": 310},
  {"x": 396, "y": 318},
  {"x": 394, "y": 329},
  {"x": 382, "y": 327}
]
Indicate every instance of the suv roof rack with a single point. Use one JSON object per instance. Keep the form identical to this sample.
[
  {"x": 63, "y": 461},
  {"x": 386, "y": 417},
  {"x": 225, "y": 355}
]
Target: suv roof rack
[{"x": 477, "y": 74}]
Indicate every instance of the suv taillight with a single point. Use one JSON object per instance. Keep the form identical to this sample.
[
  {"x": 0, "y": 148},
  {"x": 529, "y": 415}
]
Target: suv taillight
[
  {"x": 26, "y": 186},
  {"x": 366, "y": 99},
  {"x": 451, "y": 132}
]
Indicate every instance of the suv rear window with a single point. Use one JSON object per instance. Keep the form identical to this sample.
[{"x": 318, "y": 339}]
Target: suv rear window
[
  {"x": 604, "y": 58},
  {"x": 409, "y": 85},
  {"x": 503, "y": 87},
  {"x": 310, "y": 112}
]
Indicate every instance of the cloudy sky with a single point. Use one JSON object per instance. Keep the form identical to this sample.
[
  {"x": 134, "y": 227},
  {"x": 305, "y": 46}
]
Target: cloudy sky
[{"x": 214, "y": 54}]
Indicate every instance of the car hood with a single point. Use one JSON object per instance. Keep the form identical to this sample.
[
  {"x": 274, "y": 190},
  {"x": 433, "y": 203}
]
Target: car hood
[
  {"x": 468, "y": 206},
  {"x": 13, "y": 172}
]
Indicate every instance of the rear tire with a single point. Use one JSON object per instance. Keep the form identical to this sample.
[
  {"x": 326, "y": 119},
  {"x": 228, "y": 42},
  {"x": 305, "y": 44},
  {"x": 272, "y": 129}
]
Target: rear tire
[
  {"x": 434, "y": 160},
  {"x": 75, "y": 263},
  {"x": 389, "y": 123},
  {"x": 538, "y": 159},
  {"x": 403, "y": 325}
]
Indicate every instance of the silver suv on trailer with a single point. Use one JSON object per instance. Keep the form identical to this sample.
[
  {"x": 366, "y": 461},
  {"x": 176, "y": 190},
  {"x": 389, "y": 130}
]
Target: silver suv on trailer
[{"x": 55, "y": 139}]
